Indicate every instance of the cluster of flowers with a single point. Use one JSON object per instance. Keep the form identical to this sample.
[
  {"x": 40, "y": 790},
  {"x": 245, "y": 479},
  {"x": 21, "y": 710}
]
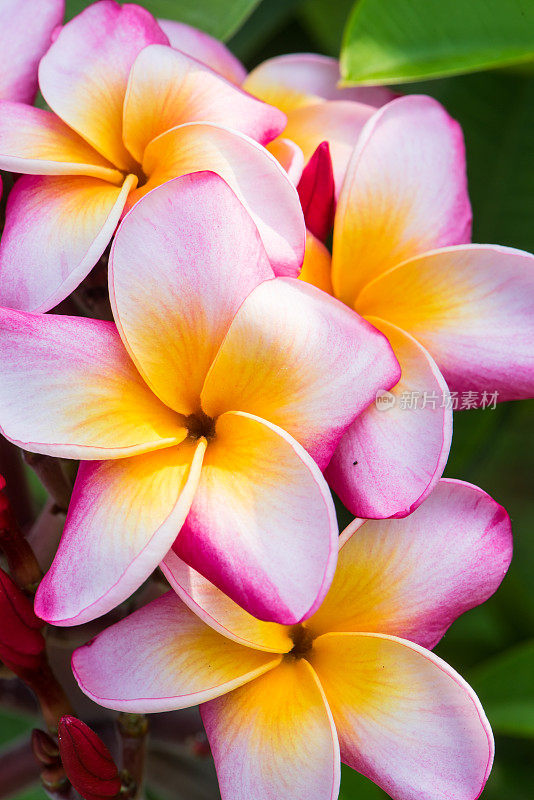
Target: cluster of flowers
[{"x": 234, "y": 388}]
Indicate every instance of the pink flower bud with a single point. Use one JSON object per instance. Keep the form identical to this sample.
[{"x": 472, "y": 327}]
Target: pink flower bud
[
  {"x": 21, "y": 642},
  {"x": 317, "y": 192},
  {"x": 87, "y": 761}
]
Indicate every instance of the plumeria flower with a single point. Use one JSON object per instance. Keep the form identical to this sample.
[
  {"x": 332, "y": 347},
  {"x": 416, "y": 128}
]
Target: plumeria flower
[
  {"x": 128, "y": 112},
  {"x": 305, "y": 87},
  {"x": 458, "y": 316},
  {"x": 216, "y": 401},
  {"x": 357, "y": 681}
]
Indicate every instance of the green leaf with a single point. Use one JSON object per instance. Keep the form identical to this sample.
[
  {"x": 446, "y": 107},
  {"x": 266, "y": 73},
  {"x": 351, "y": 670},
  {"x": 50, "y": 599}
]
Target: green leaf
[
  {"x": 220, "y": 18},
  {"x": 325, "y": 21},
  {"x": 505, "y": 685},
  {"x": 391, "y": 41}
]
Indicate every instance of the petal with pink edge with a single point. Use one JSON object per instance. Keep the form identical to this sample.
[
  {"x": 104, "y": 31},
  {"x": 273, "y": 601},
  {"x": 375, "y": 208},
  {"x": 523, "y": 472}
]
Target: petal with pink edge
[
  {"x": 38, "y": 142},
  {"x": 405, "y": 192},
  {"x": 244, "y": 165},
  {"x": 404, "y": 718},
  {"x": 290, "y": 156},
  {"x": 302, "y": 360},
  {"x": 123, "y": 517},
  {"x": 25, "y": 34},
  {"x": 297, "y": 79},
  {"x": 413, "y": 577},
  {"x": 471, "y": 307},
  {"x": 177, "y": 276},
  {"x": 177, "y": 661},
  {"x": 221, "y": 613},
  {"x": 337, "y": 122},
  {"x": 205, "y": 48},
  {"x": 167, "y": 88},
  {"x": 262, "y": 526},
  {"x": 393, "y": 454},
  {"x": 68, "y": 388},
  {"x": 83, "y": 76},
  {"x": 57, "y": 227},
  {"x": 275, "y": 738}
]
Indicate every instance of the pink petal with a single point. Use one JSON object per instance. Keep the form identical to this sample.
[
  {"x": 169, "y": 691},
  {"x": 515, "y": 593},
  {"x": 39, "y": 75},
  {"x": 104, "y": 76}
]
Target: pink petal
[
  {"x": 262, "y": 526},
  {"x": 205, "y": 48},
  {"x": 68, "y": 388},
  {"x": 167, "y": 88},
  {"x": 25, "y": 33},
  {"x": 57, "y": 227},
  {"x": 123, "y": 517},
  {"x": 221, "y": 613},
  {"x": 391, "y": 457},
  {"x": 244, "y": 165},
  {"x": 274, "y": 738},
  {"x": 405, "y": 192},
  {"x": 300, "y": 359},
  {"x": 413, "y": 577},
  {"x": 405, "y": 719},
  {"x": 298, "y": 78},
  {"x": 83, "y": 76},
  {"x": 178, "y": 274},
  {"x": 290, "y": 156},
  {"x": 38, "y": 142},
  {"x": 471, "y": 307},
  {"x": 177, "y": 661}
]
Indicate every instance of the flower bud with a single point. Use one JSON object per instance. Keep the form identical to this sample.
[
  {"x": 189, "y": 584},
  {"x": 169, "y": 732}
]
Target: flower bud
[
  {"x": 317, "y": 192},
  {"x": 45, "y": 748},
  {"x": 87, "y": 761},
  {"x": 21, "y": 642}
]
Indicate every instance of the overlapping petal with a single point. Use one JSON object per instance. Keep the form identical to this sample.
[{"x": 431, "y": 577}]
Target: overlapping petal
[
  {"x": 391, "y": 458},
  {"x": 188, "y": 662},
  {"x": 245, "y": 166},
  {"x": 83, "y": 76},
  {"x": 25, "y": 32},
  {"x": 69, "y": 389},
  {"x": 413, "y": 577},
  {"x": 167, "y": 88},
  {"x": 405, "y": 193},
  {"x": 299, "y": 358},
  {"x": 471, "y": 307},
  {"x": 297, "y": 79},
  {"x": 221, "y": 613},
  {"x": 38, "y": 142},
  {"x": 404, "y": 718},
  {"x": 262, "y": 526},
  {"x": 205, "y": 48},
  {"x": 317, "y": 264},
  {"x": 338, "y": 122},
  {"x": 174, "y": 289},
  {"x": 79, "y": 212},
  {"x": 290, "y": 156},
  {"x": 274, "y": 738},
  {"x": 123, "y": 517}
]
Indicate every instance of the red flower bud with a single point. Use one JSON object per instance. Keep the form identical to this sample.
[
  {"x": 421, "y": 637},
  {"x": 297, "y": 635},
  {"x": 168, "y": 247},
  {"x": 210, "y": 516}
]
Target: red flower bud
[
  {"x": 21, "y": 641},
  {"x": 87, "y": 761},
  {"x": 317, "y": 192}
]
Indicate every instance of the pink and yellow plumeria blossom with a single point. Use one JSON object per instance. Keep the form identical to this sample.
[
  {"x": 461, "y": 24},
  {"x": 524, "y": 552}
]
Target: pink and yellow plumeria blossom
[
  {"x": 458, "y": 316},
  {"x": 281, "y": 705},
  {"x": 304, "y": 87},
  {"x": 129, "y": 112},
  {"x": 220, "y": 395}
]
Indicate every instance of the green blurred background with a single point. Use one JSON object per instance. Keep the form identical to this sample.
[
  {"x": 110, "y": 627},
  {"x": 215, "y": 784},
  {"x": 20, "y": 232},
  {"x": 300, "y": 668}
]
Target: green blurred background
[{"x": 493, "y": 645}]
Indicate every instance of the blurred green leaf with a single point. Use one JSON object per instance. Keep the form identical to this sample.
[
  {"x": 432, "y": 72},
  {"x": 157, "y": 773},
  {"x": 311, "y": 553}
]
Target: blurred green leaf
[
  {"x": 14, "y": 725},
  {"x": 407, "y": 40},
  {"x": 221, "y": 18},
  {"x": 325, "y": 21},
  {"x": 505, "y": 685},
  {"x": 354, "y": 785}
]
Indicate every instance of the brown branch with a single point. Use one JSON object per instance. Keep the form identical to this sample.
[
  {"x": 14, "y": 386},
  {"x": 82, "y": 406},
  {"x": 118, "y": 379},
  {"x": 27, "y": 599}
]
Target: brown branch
[
  {"x": 12, "y": 468},
  {"x": 50, "y": 472},
  {"x": 23, "y": 565},
  {"x": 133, "y": 732}
]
